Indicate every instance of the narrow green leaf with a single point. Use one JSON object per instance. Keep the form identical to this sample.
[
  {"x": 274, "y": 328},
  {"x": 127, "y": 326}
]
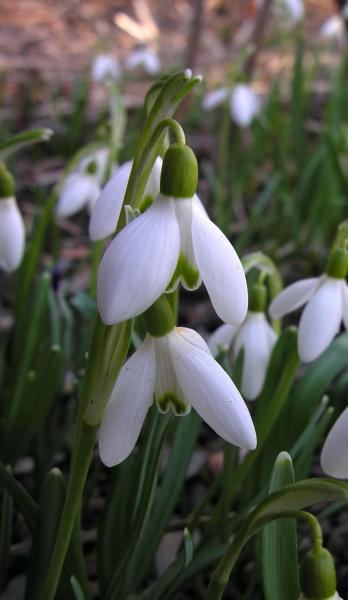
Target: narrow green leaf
[
  {"x": 26, "y": 138},
  {"x": 27, "y": 507},
  {"x": 279, "y": 544},
  {"x": 165, "y": 583}
]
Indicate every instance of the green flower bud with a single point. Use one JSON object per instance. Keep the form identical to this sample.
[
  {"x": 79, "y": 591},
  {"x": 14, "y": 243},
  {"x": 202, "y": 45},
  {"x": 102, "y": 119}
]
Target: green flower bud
[
  {"x": 159, "y": 318},
  {"x": 257, "y": 298},
  {"x": 7, "y": 183},
  {"x": 318, "y": 575},
  {"x": 337, "y": 264},
  {"x": 179, "y": 176}
]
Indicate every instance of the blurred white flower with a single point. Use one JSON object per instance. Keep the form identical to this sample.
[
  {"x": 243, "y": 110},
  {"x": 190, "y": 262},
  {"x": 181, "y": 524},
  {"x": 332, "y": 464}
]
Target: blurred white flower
[
  {"x": 172, "y": 240},
  {"x": 144, "y": 59},
  {"x": 256, "y": 337},
  {"x": 327, "y": 304},
  {"x": 294, "y": 9},
  {"x": 334, "y": 455},
  {"x": 177, "y": 370},
  {"x": 12, "y": 234},
  {"x": 107, "y": 210},
  {"x": 104, "y": 67},
  {"x": 334, "y": 29},
  {"x": 245, "y": 104}
]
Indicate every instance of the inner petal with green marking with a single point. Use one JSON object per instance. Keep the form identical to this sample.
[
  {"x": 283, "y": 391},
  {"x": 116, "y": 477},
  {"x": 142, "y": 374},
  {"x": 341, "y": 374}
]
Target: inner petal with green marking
[{"x": 168, "y": 393}]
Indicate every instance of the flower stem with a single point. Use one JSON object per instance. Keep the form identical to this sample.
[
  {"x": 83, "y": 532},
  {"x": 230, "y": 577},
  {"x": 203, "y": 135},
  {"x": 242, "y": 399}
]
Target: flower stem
[
  {"x": 175, "y": 126},
  {"x": 85, "y": 440}
]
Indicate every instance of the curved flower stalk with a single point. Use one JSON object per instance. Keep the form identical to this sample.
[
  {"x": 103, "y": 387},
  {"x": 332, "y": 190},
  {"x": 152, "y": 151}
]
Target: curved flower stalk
[
  {"x": 173, "y": 240},
  {"x": 334, "y": 455},
  {"x": 255, "y": 337},
  {"x": 105, "y": 67},
  {"x": 106, "y": 213},
  {"x": 82, "y": 187},
  {"x": 145, "y": 59},
  {"x": 12, "y": 230},
  {"x": 245, "y": 104},
  {"x": 177, "y": 369},
  {"x": 326, "y": 300}
]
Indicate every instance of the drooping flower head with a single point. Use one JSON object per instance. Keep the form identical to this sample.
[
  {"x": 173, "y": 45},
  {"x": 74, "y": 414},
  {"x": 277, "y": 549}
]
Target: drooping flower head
[
  {"x": 175, "y": 367},
  {"x": 334, "y": 455},
  {"x": 143, "y": 58},
  {"x": 326, "y": 300},
  {"x": 255, "y": 337},
  {"x": 173, "y": 240},
  {"x": 12, "y": 230},
  {"x": 104, "y": 67},
  {"x": 245, "y": 104}
]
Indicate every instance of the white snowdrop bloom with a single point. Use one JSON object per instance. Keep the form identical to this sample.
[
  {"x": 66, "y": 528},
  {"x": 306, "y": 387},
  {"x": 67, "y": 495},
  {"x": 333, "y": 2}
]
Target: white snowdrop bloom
[
  {"x": 326, "y": 300},
  {"x": 79, "y": 190},
  {"x": 107, "y": 210},
  {"x": 145, "y": 59},
  {"x": 177, "y": 370},
  {"x": 333, "y": 29},
  {"x": 293, "y": 10},
  {"x": 255, "y": 337},
  {"x": 12, "y": 234},
  {"x": 245, "y": 104},
  {"x": 334, "y": 455},
  {"x": 172, "y": 240},
  {"x": 99, "y": 158},
  {"x": 105, "y": 66}
]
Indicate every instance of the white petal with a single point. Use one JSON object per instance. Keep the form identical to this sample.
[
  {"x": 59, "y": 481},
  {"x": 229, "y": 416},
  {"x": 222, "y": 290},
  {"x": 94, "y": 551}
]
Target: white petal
[
  {"x": 138, "y": 265},
  {"x": 245, "y": 105},
  {"x": 187, "y": 269},
  {"x": 107, "y": 210},
  {"x": 12, "y": 234},
  {"x": 295, "y": 9},
  {"x": 153, "y": 183},
  {"x": 128, "y": 405},
  {"x": 168, "y": 393},
  {"x": 257, "y": 339},
  {"x": 100, "y": 157},
  {"x": 334, "y": 455},
  {"x": 211, "y": 392},
  {"x": 345, "y": 303},
  {"x": 220, "y": 269},
  {"x": 105, "y": 67},
  {"x": 293, "y": 297},
  {"x": 76, "y": 192},
  {"x": 321, "y": 319},
  {"x": 215, "y": 98},
  {"x": 222, "y": 338},
  {"x": 333, "y": 28},
  {"x": 147, "y": 59}
]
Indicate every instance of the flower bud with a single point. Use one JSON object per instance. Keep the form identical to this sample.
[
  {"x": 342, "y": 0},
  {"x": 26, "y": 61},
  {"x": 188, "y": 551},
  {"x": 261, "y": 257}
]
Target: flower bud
[
  {"x": 318, "y": 575},
  {"x": 257, "y": 298},
  {"x": 7, "y": 184},
  {"x": 179, "y": 176},
  {"x": 337, "y": 264}
]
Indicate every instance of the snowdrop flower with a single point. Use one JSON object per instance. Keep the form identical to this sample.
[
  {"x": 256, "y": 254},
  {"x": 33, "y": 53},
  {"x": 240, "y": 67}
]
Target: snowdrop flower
[
  {"x": 334, "y": 29},
  {"x": 326, "y": 300},
  {"x": 255, "y": 337},
  {"x": 12, "y": 231},
  {"x": 145, "y": 59},
  {"x": 104, "y": 67},
  {"x": 245, "y": 104},
  {"x": 334, "y": 455},
  {"x": 173, "y": 240},
  {"x": 294, "y": 10},
  {"x": 177, "y": 370}
]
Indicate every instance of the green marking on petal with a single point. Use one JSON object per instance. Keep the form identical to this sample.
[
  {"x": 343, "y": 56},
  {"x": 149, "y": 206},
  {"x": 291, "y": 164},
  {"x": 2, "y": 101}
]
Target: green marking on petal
[
  {"x": 170, "y": 401},
  {"x": 185, "y": 271}
]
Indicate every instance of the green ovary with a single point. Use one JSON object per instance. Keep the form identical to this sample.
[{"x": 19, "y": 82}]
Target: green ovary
[{"x": 170, "y": 401}]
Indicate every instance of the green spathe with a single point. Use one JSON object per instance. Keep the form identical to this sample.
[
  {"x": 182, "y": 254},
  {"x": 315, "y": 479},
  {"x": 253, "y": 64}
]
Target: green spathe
[
  {"x": 318, "y": 575},
  {"x": 7, "y": 183},
  {"x": 179, "y": 176},
  {"x": 337, "y": 264}
]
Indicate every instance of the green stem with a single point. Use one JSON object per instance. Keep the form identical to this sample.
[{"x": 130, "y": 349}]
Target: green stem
[
  {"x": 80, "y": 464},
  {"x": 175, "y": 126},
  {"x": 24, "y": 501}
]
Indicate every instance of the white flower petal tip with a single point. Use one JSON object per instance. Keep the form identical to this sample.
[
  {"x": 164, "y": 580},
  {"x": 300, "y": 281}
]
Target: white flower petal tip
[
  {"x": 12, "y": 235},
  {"x": 293, "y": 297},
  {"x": 334, "y": 455},
  {"x": 107, "y": 209},
  {"x": 221, "y": 339},
  {"x": 78, "y": 191},
  {"x": 144, "y": 58},
  {"x": 105, "y": 66},
  {"x": 220, "y": 268},
  {"x": 139, "y": 263},
  {"x": 257, "y": 338},
  {"x": 345, "y": 304},
  {"x": 214, "y": 98},
  {"x": 317, "y": 328},
  {"x": 209, "y": 389},
  {"x": 245, "y": 105},
  {"x": 128, "y": 405}
]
